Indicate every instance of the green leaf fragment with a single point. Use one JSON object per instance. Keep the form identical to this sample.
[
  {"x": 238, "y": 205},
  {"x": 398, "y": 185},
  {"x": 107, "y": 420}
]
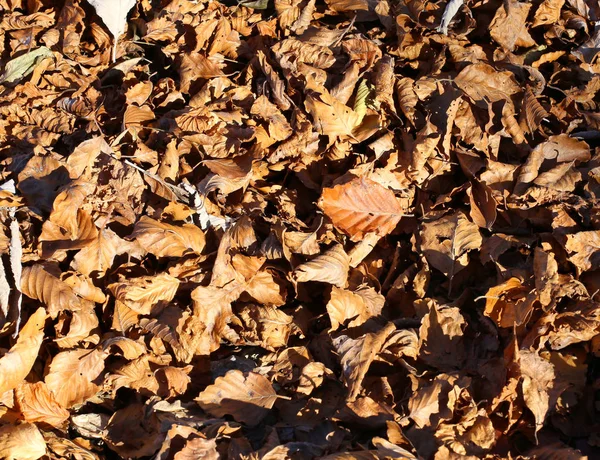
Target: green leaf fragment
[
  {"x": 360, "y": 101},
  {"x": 255, "y": 5},
  {"x": 23, "y": 65}
]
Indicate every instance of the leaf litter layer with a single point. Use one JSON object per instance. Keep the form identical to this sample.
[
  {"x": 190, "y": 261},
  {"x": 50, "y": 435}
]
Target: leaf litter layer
[{"x": 343, "y": 229}]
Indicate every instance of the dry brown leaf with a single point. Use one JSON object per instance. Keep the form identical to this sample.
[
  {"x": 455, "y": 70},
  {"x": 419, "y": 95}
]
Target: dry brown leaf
[
  {"x": 97, "y": 257},
  {"x": 353, "y": 308},
  {"x": 247, "y": 398},
  {"x": 55, "y": 238},
  {"x": 37, "y": 404},
  {"x": 129, "y": 348},
  {"x": 538, "y": 380},
  {"x": 137, "y": 116},
  {"x": 508, "y": 26},
  {"x": 22, "y": 442},
  {"x": 270, "y": 326},
  {"x": 561, "y": 148},
  {"x": 80, "y": 368},
  {"x": 76, "y": 327},
  {"x": 277, "y": 85},
  {"x": 584, "y": 250},
  {"x": 166, "y": 240},
  {"x": 483, "y": 205},
  {"x": 509, "y": 304},
  {"x": 133, "y": 440},
  {"x": 356, "y": 355},
  {"x": 442, "y": 329},
  {"x": 532, "y": 113},
  {"x": 482, "y": 83},
  {"x": 446, "y": 242},
  {"x": 548, "y": 12},
  {"x": 198, "y": 448},
  {"x": 18, "y": 361},
  {"x": 38, "y": 283},
  {"x": 146, "y": 295},
  {"x": 425, "y": 402},
  {"x": 331, "y": 117},
  {"x": 330, "y": 267},
  {"x": 562, "y": 178},
  {"x": 361, "y": 206}
]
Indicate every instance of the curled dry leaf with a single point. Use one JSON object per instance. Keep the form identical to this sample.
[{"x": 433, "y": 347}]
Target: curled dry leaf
[
  {"x": 356, "y": 355},
  {"x": 146, "y": 295},
  {"x": 353, "y": 308},
  {"x": 269, "y": 326},
  {"x": 532, "y": 112},
  {"x": 18, "y": 361},
  {"x": 330, "y": 267},
  {"x": 166, "y": 240},
  {"x": 446, "y": 242},
  {"x": 247, "y": 398},
  {"x": 38, "y": 283}
]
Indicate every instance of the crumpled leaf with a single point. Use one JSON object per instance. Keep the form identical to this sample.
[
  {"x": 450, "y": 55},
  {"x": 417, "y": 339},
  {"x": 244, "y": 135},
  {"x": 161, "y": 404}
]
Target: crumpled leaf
[
  {"x": 538, "y": 380},
  {"x": 508, "y": 26},
  {"x": 330, "y": 267},
  {"x": 18, "y": 361},
  {"x": 165, "y": 240},
  {"x": 146, "y": 294},
  {"x": 584, "y": 250},
  {"x": 446, "y": 242},
  {"x": 356, "y": 355}
]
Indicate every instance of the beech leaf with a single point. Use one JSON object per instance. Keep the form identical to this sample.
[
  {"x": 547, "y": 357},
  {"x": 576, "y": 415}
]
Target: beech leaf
[
  {"x": 247, "y": 398},
  {"x": 361, "y": 206},
  {"x": 18, "y": 361}
]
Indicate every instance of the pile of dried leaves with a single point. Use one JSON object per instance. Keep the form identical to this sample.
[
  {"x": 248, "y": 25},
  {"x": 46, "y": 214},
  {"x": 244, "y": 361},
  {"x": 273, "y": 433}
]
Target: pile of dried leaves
[{"x": 352, "y": 229}]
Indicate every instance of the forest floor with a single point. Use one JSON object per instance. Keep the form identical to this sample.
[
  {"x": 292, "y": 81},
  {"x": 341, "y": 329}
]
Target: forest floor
[{"x": 299, "y": 229}]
